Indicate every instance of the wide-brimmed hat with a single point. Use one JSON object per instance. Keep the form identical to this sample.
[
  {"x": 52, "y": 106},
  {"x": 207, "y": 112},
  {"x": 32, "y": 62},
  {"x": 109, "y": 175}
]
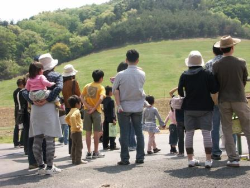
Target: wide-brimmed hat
[
  {"x": 69, "y": 70},
  {"x": 226, "y": 42},
  {"x": 47, "y": 61},
  {"x": 194, "y": 59}
]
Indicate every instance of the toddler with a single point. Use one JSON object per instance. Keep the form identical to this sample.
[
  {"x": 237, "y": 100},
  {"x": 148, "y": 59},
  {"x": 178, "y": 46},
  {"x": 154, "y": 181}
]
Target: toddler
[{"x": 149, "y": 124}]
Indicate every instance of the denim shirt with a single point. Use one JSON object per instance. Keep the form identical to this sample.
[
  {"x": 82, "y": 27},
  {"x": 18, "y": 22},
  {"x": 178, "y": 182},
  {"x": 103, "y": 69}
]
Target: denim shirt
[
  {"x": 209, "y": 64},
  {"x": 55, "y": 90}
]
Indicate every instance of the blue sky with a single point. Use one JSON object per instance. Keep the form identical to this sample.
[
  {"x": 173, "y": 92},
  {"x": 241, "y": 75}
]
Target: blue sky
[{"x": 20, "y": 9}]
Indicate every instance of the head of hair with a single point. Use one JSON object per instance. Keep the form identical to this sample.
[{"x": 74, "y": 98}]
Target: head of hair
[
  {"x": 108, "y": 90},
  {"x": 97, "y": 75},
  {"x": 20, "y": 81},
  {"x": 61, "y": 99},
  {"x": 226, "y": 50},
  {"x": 150, "y": 99},
  {"x": 132, "y": 56},
  {"x": 217, "y": 51},
  {"x": 73, "y": 100},
  {"x": 122, "y": 66},
  {"x": 35, "y": 69},
  {"x": 36, "y": 58},
  {"x": 68, "y": 78}
]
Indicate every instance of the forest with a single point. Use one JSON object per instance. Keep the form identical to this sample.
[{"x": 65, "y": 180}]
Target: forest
[{"x": 71, "y": 33}]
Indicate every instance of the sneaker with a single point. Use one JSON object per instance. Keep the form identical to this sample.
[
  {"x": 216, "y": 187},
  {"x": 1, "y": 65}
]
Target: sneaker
[
  {"x": 53, "y": 170},
  {"x": 81, "y": 162},
  {"x": 16, "y": 147},
  {"x": 123, "y": 163},
  {"x": 139, "y": 161},
  {"x": 216, "y": 157},
  {"x": 88, "y": 156},
  {"x": 156, "y": 150},
  {"x": 98, "y": 155},
  {"x": 150, "y": 152},
  {"x": 233, "y": 163},
  {"x": 208, "y": 164},
  {"x": 41, "y": 171},
  {"x": 33, "y": 166},
  {"x": 193, "y": 163},
  {"x": 180, "y": 155}
]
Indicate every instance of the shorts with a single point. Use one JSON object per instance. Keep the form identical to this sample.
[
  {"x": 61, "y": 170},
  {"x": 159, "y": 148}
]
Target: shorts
[{"x": 89, "y": 119}]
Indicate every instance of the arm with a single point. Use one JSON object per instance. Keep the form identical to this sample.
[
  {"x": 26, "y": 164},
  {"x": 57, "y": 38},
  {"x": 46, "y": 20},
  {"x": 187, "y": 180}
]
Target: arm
[
  {"x": 117, "y": 97},
  {"x": 77, "y": 89},
  {"x": 171, "y": 93},
  {"x": 115, "y": 84},
  {"x": 57, "y": 89},
  {"x": 112, "y": 105},
  {"x": 97, "y": 104},
  {"x": 167, "y": 118},
  {"x": 27, "y": 86},
  {"x": 73, "y": 121},
  {"x": 159, "y": 118},
  {"x": 181, "y": 86},
  {"x": 45, "y": 82},
  {"x": 245, "y": 75},
  {"x": 25, "y": 94}
]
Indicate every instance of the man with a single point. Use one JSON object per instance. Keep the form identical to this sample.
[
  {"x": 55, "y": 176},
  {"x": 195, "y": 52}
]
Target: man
[
  {"x": 231, "y": 74},
  {"x": 216, "y": 152},
  {"x": 130, "y": 85}
]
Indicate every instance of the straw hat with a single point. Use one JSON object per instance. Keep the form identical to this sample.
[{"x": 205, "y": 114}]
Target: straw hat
[
  {"x": 226, "y": 42},
  {"x": 194, "y": 59},
  {"x": 47, "y": 61},
  {"x": 69, "y": 71}
]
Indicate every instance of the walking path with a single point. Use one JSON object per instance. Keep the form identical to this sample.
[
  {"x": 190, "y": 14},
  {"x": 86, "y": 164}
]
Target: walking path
[{"x": 159, "y": 170}]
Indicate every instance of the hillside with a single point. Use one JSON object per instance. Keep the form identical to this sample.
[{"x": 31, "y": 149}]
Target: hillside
[
  {"x": 72, "y": 33},
  {"x": 162, "y": 61}
]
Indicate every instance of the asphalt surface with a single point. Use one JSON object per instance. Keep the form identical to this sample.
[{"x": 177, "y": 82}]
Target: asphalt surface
[{"x": 159, "y": 170}]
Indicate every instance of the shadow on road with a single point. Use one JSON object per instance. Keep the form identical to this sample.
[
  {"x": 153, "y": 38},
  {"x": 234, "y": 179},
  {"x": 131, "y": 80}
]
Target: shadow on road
[{"x": 116, "y": 169}]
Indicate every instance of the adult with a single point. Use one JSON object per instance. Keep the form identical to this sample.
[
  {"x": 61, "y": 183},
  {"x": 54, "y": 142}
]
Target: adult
[
  {"x": 216, "y": 151},
  {"x": 44, "y": 118},
  {"x": 198, "y": 85},
  {"x": 70, "y": 87},
  {"x": 231, "y": 73},
  {"x": 16, "y": 94},
  {"x": 130, "y": 83}
]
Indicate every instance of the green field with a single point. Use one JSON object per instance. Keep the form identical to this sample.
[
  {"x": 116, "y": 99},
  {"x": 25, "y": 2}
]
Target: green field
[{"x": 162, "y": 61}]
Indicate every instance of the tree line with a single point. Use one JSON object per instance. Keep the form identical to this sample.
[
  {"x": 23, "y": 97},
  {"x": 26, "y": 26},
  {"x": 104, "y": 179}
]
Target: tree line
[{"x": 71, "y": 33}]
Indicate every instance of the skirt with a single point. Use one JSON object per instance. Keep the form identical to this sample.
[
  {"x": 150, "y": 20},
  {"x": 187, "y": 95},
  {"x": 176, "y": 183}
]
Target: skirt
[
  {"x": 44, "y": 120},
  {"x": 150, "y": 127}
]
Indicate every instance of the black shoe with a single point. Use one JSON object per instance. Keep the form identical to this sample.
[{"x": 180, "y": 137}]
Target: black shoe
[
  {"x": 150, "y": 152},
  {"x": 216, "y": 157},
  {"x": 106, "y": 148},
  {"x": 156, "y": 150},
  {"x": 139, "y": 161},
  {"x": 123, "y": 163}
]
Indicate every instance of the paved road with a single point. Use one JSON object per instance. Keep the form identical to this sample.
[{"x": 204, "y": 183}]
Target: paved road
[{"x": 159, "y": 170}]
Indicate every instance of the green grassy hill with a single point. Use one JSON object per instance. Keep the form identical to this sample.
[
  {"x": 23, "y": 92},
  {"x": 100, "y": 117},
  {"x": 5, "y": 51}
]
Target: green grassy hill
[{"x": 162, "y": 61}]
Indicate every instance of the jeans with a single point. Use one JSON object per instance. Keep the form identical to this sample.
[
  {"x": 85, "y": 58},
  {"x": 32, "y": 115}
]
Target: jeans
[
  {"x": 173, "y": 136},
  {"x": 125, "y": 119},
  {"x": 132, "y": 141},
  {"x": 65, "y": 133},
  {"x": 180, "y": 131},
  {"x": 216, "y": 132}
]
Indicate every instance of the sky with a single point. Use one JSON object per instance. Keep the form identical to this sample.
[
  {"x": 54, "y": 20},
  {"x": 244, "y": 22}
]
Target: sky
[{"x": 19, "y": 9}]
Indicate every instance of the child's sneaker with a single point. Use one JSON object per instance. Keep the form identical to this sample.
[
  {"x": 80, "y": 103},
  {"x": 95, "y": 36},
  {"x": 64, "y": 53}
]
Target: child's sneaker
[
  {"x": 88, "y": 156},
  {"x": 233, "y": 163},
  {"x": 97, "y": 155},
  {"x": 193, "y": 163},
  {"x": 156, "y": 150},
  {"x": 42, "y": 171},
  {"x": 120, "y": 109},
  {"x": 208, "y": 164},
  {"x": 53, "y": 170}
]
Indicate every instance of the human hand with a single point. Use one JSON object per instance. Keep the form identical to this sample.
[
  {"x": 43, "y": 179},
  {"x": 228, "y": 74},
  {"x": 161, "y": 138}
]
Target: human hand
[
  {"x": 114, "y": 122},
  {"x": 40, "y": 103},
  {"x": 53, "y": 83},
  {"x": 91, "y": 110}
]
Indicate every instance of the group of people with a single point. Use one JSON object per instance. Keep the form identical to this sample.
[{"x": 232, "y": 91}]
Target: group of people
[{"x": 224, "y": 77}]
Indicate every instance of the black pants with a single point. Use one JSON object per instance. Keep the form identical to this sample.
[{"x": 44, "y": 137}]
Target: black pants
[
  {"x": 16, "y": 136},
  {"x": 180, "y": 131},
  {"x": 26, "y": 136},
  {"x": 106, "y": 138}
]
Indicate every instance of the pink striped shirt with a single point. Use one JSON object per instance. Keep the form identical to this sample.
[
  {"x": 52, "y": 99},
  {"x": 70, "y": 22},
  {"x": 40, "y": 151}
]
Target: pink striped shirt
[
  {"x": 171, "y": 117},
  {"x": 40, "y": 82}
]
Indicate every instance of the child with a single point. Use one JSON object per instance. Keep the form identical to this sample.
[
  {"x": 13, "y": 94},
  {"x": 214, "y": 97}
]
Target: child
[
  {"x": 149, "y": 124},
  {"x": 73, "y": 119},
  {"x": 64, "y": 126},
  {"x": 37, "y": 84},
  {"x": 92, "y": 97},
  {"x": 109, "y": 117},
  {"x": 173, "y": 138}
]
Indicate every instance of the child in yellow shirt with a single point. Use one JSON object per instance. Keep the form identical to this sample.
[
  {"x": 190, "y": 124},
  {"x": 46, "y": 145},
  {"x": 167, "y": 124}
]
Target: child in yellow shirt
[{"x": 74, "y": 120}]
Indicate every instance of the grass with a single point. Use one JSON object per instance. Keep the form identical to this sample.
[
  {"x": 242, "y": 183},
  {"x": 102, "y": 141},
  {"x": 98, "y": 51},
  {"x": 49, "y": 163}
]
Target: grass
[{"x": 162, "y": 61}]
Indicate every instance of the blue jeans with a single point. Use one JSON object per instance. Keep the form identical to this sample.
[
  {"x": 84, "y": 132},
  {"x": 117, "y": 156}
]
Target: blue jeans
[
  {"x": 125, "y": 119},
  {"x": 216, "y": 132},
  {"x": 132, "y": 141},
  {"x": 65, "y": 133}
]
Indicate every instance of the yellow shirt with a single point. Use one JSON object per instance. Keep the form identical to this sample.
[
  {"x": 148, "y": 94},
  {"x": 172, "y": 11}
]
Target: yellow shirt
[
  {"x": 92, "y": 93},
  {"x": 73, "y": 119}
]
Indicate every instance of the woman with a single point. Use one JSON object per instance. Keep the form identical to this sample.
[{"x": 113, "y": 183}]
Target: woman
[
  {"x": 198, "y": 85},
  {"x": 70, "y": 87},
  {"x": 44, "y": 119}
]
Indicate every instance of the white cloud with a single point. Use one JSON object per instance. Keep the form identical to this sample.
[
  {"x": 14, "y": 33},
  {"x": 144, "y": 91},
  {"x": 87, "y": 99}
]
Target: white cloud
[{"x": 20, "y": 9}]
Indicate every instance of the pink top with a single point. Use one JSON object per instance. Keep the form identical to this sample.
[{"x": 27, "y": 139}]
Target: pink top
[
  {"x": 40, "y": 82},
  {"x": 171, "y": 117}
]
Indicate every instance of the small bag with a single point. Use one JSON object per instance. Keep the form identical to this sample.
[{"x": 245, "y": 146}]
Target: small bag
[
  {"x": 112, "y": 130},
  {"x": 176, "y": 102}
]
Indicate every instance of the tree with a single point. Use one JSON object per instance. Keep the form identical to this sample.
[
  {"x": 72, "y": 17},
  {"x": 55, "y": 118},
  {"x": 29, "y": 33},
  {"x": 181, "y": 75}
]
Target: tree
[
  {"x": 8, "y": 69},
  {"x": 61, "y": 52}
]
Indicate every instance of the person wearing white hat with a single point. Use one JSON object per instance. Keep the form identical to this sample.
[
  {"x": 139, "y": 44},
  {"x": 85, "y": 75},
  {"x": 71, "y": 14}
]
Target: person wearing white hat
[
  {"x": 70, "y": 87},
  {"x": 231, "y": 73},
  {"x": 198, "y": 84},
  {"x": 44, "y": 118}
]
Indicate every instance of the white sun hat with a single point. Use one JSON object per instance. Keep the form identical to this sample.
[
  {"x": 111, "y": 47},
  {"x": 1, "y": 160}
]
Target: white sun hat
[
  {"x": 194, "y": 59},
  {"x": 47, "y": 61},
  {"x": 69, "y": 70}
]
